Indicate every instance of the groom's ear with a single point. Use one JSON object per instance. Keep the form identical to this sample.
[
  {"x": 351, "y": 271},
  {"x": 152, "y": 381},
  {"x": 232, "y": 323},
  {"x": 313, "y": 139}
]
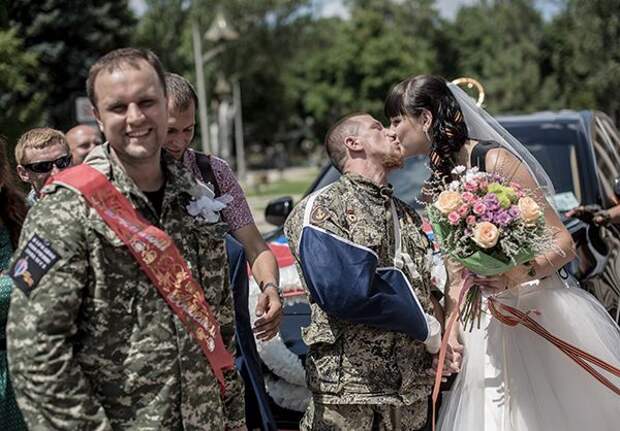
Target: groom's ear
[{"x": 353, "y": 143}]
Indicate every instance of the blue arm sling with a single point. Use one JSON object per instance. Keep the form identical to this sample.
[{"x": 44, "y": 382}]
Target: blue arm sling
[{"x": 344, "y": 280}]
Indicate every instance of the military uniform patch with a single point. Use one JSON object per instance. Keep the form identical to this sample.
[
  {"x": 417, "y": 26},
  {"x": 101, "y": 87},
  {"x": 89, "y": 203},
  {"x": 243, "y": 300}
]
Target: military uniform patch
[
  {"x": 350, "y": 214},
  {"x": 318, "y": 215},
  {"x": 33, "y": 263}
]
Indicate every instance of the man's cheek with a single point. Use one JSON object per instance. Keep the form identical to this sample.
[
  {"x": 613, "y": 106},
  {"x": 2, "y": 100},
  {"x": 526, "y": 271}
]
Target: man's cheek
[{"x": 188, "y": 139}]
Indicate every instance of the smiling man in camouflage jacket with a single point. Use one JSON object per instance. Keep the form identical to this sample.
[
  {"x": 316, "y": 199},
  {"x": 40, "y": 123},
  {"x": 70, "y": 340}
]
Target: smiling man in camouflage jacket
[
  {"x": 364, "y": 377},
  {"x": 92, "y": 343}
]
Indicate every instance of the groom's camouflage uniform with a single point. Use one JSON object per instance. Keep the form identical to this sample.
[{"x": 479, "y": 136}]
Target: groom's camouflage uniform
[{"x": 356, "y": 372}]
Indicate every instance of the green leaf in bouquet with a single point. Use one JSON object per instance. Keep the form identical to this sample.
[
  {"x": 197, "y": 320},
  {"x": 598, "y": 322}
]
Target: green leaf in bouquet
[{"x": 488, "y": 265}]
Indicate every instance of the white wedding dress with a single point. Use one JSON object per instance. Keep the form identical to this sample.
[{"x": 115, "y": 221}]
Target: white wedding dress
[{"x": 514, "y": 380}]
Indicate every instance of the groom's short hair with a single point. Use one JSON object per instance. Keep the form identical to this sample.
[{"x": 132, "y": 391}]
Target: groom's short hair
[{"x": 334, "y": 139}]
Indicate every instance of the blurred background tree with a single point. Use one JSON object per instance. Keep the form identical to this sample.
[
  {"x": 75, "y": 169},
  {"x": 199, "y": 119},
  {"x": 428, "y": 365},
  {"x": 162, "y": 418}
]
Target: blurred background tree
[
  {"x": 162, "y": 29},
  {"x": 20, "y": 107},
  {"x": 65, "y": 37},
  {"x": 584, "y": 54},
  {"x": 349, "y": 65},
  {"x": 300, "y": 68},
  {"x": 498, "y": 42}
]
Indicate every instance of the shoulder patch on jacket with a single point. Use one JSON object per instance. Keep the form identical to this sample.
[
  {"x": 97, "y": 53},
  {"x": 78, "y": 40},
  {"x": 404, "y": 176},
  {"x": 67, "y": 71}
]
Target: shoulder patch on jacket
[{"x": 35, "y": 260}]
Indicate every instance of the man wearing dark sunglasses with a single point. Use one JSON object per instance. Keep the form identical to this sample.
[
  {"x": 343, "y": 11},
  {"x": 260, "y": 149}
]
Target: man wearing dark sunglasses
[{"x": 40, "y": 153}]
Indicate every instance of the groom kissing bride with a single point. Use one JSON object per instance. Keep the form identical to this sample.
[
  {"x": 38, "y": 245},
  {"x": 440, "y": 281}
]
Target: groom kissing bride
[{"x": 365, "y": 264}]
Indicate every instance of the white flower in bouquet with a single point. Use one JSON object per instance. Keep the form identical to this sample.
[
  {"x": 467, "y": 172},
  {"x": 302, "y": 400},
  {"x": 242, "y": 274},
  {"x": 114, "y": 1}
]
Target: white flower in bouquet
[
  {"x": 454, "y": 186},
  {"x": 458, "y": 170}
]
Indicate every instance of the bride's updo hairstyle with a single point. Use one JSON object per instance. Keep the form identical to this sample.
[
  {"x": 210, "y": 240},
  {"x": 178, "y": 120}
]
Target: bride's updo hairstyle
[{"x": 448, "y": 131}]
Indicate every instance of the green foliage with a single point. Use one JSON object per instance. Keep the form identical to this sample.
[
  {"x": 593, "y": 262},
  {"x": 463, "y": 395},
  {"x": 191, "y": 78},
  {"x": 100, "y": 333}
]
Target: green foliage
[
  {"x": 498, "y": 43},
  {"x": 299, "y": 72},
  {"x": 164, "y": 30},
  {"x": 267, "y": 39},
  {"x": 20, "y": 108},
  {"x": 67, "y": 37},
  {"x": 350, "y": 65},
  {"x": 268, "y": 31},
  {"x": 584, "y": 46}
]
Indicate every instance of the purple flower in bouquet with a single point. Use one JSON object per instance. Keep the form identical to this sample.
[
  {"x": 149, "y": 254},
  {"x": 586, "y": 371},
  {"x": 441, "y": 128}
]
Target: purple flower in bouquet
[
  {"x": 487, "y": 216},
  {"x": 491, "y": 201},
  {"x": 502, "y": 218},
  {"x": 514, "y": 212}
]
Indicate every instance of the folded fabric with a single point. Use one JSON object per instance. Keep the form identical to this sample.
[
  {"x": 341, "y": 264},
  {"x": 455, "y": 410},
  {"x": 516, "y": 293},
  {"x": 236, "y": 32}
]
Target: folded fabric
[{"x": 345, "y": 281}]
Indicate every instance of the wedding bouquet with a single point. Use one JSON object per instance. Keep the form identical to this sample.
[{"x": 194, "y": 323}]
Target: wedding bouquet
[{"x": 487, "y": 223}]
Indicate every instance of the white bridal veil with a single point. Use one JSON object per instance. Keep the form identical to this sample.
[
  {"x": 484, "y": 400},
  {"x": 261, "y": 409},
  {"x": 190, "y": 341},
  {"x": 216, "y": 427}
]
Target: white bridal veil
[{"x": 483, "y": 127}]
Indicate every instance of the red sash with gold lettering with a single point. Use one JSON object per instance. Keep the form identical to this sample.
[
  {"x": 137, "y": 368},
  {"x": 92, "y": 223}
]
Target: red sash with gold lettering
[{"x": 158, "y": 257}]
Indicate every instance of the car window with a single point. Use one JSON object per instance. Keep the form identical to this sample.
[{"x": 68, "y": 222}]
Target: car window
[
  {"x": 328, "y": 177},
  {"x": 408, "y": 181},
  {"x": 554, "y": 145}
]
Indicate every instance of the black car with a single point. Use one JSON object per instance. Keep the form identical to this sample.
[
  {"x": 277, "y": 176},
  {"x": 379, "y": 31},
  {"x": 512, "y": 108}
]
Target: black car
[{"x": 581, "y": 153}]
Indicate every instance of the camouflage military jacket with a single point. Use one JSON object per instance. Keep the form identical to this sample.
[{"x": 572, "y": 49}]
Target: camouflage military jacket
[
  {"x": 92, "y": 345},
  {"x": 350, "y": 363}
]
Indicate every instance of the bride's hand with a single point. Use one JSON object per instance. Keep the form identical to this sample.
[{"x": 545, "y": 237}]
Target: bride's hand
[
  {"x": 454, "y": 355},
  {"x": 508, "y": 280},
  {"x": 453, "y": 361},
  {"x": 493, "y": 285}
]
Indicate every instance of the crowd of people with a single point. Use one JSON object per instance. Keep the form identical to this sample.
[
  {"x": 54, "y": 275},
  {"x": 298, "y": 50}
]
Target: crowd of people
[{"x": 119, "y": 267}]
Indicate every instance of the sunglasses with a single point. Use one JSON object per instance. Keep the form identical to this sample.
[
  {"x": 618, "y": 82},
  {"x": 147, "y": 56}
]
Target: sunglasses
[{"x": 47, "y": 166}]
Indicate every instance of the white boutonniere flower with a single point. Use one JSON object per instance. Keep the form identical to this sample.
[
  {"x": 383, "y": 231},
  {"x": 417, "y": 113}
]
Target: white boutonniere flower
[{"x": 204, "y": 206}]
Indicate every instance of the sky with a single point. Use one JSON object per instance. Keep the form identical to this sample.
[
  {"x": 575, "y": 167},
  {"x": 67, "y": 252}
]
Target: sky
[{"x": 446, "y": 8}]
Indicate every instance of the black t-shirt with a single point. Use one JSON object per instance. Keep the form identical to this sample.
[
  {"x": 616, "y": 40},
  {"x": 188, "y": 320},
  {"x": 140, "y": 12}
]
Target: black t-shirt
[{"x": 156, "y": 198}]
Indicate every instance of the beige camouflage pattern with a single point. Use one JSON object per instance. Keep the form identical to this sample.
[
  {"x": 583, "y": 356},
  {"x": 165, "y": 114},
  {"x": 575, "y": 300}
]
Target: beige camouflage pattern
[
  {"x": 95, "y": 346},
  {"x": 353, "y": 363},
  {"x": 363, "y": 417}
]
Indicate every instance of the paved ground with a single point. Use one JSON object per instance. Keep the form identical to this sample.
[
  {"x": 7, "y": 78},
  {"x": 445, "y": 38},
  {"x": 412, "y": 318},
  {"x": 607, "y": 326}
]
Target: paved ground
[{"x": 259, "y": 182}]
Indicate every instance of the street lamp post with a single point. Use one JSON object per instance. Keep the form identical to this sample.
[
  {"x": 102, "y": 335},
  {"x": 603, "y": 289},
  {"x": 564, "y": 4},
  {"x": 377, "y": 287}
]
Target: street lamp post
[
  {"x": 219, "y": 32},
  {"x": 223, "y": 109},
  {"x": 239, "y": 147},
  {"x": 202, "y": 92}
]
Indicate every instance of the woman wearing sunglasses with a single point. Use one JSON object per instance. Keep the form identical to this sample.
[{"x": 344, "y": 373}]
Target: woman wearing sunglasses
[{"x": 40, "y": 153}]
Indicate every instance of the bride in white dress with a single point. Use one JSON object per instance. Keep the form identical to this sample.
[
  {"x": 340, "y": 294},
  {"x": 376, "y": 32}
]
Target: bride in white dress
[{"x": 511, "y": 378}]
